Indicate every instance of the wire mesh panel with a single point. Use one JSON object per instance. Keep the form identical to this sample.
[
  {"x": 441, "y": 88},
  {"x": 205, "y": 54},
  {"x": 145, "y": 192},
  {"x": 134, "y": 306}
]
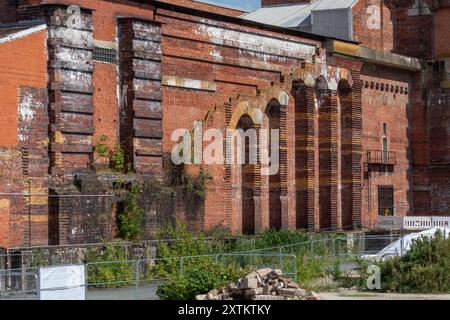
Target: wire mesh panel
[
  {"x": 19, "y": 284},
  {"x": 104, "y": 278},
  {"x": 365, "y": 245}
]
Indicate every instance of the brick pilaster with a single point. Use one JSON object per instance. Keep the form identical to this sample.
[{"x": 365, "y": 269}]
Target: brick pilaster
[
  {"x": 140, "y": 79},
  {"x": 356, "y": 116}
]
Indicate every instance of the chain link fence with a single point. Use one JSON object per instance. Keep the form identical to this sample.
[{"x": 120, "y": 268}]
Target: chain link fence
[{"x": 139, "y": 279}]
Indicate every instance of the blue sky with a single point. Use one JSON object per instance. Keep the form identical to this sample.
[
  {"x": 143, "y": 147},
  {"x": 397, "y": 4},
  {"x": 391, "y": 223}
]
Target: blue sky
[{"x": 246, "y": 4}]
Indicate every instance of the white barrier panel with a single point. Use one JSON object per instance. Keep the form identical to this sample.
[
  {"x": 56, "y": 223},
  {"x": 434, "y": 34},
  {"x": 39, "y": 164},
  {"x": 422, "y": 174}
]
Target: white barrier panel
[
  {"x": 390, "y": 223},
  {"x": 412, "y": 222},
  {"x": 62, "y": 283}
]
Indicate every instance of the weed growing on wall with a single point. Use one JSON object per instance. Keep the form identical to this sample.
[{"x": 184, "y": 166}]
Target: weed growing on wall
[
  {"x": 101, "y": 148},
  {"x": 130, "y": 217},
  {"x": 119, "y": 273},
  {"x": 118, "y": 158}
]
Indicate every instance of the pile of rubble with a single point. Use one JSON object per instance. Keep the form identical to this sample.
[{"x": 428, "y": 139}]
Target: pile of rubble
[{"x": 263, "y": 284}]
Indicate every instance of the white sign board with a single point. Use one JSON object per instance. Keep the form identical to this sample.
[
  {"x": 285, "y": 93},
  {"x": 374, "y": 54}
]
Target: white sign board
[
  {"x": 388, "y": 223},
  {"x": 62, "y": 283}
]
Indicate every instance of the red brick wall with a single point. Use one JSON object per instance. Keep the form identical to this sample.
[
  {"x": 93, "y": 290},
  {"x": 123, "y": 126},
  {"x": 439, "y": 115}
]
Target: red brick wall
[
  {"x": 376, "y": 34},
  {"x": 24, "y": 63},
  {"x": 8, "y": 11},
  {"x": 386, "y": 100},
  {"x": 441, "y": 33},
  {"x": 106, "y": 104},
  {"x": 412, "y": 34}
]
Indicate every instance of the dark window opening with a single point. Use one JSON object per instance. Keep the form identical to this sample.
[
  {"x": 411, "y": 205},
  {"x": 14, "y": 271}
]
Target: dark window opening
[{"x": 386, "y": 201}]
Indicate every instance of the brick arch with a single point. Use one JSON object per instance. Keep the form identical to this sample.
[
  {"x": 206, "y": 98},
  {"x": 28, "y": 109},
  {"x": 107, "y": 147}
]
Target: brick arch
[
  {"x": 245, "y": 108},
  {"x": 255, "y": 107}
]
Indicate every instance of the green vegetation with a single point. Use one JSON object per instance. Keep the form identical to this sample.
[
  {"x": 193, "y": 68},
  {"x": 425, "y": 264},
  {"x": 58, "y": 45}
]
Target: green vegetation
[
  {"x": 130, "y": 218},
  {"x": 423, "y": 269},
  {"x": 200, "y": 278},
  {"x": 202, "y": 269},
  {"x": 118, "y": 158},
  {"x": 119, "y": 273},
  {"x": 101, "y": 148}
]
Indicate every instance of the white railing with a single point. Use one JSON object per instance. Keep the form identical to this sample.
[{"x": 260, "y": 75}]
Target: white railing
[{"x": 412, "y": 223}]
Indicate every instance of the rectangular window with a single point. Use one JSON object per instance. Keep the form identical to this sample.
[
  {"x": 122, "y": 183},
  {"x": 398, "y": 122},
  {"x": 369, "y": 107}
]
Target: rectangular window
[
  {"x": 386, "y": 201},
  {"x": 385, "y": 144},
  {"x": 105, "y": 55}
]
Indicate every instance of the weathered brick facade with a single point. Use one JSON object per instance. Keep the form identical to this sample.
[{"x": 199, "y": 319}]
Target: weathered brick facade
[{"x": 173, "y": 63}]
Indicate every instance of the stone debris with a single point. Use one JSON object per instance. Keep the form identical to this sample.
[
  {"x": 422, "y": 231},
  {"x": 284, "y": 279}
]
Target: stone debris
[{"x": 262, "y": 284}]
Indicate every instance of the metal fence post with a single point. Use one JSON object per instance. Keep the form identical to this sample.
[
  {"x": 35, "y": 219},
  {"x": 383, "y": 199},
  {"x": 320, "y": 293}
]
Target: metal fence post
[
  {"x": 280, "y": 252},
  {"x": 295, "y": 268},
  {"x": 86, "y": 280},
  {"x": 136, "y": 276}
]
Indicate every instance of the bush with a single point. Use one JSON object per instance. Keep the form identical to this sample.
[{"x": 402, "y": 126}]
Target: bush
[
  {"x": 186, "y": 245},
  {"x": 130, "y": 218},
  {"x": 118, "y": 158},
  {"x": 274, "y": 238},
  {"x": 110, "y": 275},
  {"x": 199, "y": 279},
  {"x": 424, "y": 269}
]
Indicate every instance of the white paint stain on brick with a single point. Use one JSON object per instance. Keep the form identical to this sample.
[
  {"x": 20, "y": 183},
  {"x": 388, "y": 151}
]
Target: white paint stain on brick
[
  {"x": 26, "y": 115},
  {"x": 257, "y": 43}
]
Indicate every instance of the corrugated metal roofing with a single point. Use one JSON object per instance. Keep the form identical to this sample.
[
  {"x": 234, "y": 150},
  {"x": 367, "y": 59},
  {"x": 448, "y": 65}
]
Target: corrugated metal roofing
[{"x": 292, "y": 16}]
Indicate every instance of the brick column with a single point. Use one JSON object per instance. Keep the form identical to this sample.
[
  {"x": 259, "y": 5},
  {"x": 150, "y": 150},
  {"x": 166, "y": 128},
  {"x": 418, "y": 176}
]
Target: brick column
[
  {"x": 336, "y": 209},
  {"x": 257, "y": 183},
  {"x": 311, "y": 161},
  {"x": 356, "y": 155},
  {"x": 227, "y": 174},
  {"x": 283, "y": 167},
  {"x": 70, "y": 90},
  {"x": 140, "y": 79}
]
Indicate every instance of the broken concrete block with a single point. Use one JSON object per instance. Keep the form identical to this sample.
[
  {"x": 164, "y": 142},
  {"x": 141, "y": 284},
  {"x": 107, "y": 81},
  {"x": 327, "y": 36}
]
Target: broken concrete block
[
  {"x": 212, "y": 295},
  {"x": 249, "y": 283},
  {"x": 278, "y": 272},
  {"x": 263, "y": 273},
  {"x": 250, "y": 294}
]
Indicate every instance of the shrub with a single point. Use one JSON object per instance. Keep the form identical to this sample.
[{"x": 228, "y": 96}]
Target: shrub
[
  {"x": 199, "y": 279},
  {"x": 118, "y": 158},
  {"x": 274, "y": 238},
  {"x": 101, "y": 148},
  {"x": 110, "y": 275},
  {"x": 423, "y": 269},
  {"x": 130, "y": 218}
]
